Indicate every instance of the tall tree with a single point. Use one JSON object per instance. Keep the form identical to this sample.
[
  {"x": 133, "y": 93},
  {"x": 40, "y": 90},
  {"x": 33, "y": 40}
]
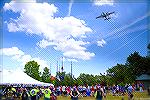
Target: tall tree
[
  {"x": 86, "y": 79},
  {"x": 120, "y": 74},
  {"x": 146, "y": 65},
  {"x": 32, "y": 69},
  {"x": 137, "y": 64},
  {"x": 46, "y": 75},
  {"x": 60, "y": 78},
  {"x": 148, "y": 47},
  {"x": 67, "y": 80}
]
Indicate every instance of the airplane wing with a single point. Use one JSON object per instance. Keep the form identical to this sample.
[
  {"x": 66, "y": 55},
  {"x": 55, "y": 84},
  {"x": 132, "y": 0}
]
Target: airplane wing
[
  {"x": 110, "y": 13},
  {"x": 99, "y": 16}
]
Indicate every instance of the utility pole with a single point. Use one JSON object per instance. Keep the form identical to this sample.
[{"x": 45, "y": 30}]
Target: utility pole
[
  {"x": 62, "y": 65},
  {"x": 71, "y": 69},
  {"x": 71, "y": 74},
  {"x": 57, "y": 68},
  {"x": 50, "y": 69}
]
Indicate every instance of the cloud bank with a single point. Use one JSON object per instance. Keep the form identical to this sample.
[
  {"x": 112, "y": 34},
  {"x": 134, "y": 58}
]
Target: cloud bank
[
  {"x": 59, "y": 32},
  {"x": 18, "y": 55}
]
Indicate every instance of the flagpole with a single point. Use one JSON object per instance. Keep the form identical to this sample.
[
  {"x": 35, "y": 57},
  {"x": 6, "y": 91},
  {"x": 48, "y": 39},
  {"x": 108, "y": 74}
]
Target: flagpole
[
  {"x": 71, "y": 69},
  {"x": 62, "y": 65},
  {"x": 57, "y": 68},
  {"x": 71, "y": 74},
  {"x": 50, "y": 69}
]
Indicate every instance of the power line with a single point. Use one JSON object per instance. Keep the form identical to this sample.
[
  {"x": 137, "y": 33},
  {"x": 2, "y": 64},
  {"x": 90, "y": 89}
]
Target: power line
[{"x": 127, "y": 43}]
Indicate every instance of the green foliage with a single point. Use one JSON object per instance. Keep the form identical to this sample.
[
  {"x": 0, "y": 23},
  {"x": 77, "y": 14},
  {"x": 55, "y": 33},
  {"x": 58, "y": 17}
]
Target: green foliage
[
  {"x": 46, "y": 75},
  {"x": 148, "y": 46},
  {"x": 120, "y": 74},
  {"x": 32, "y": 69},
  {"x": 135, "y": 66},
  {"x": 85, "y": 79},
  {"x": 58, "y": 80},
  {"x": 138, "y": 65}
]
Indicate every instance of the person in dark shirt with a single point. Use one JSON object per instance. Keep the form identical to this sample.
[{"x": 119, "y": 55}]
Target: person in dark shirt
[
  {"x": 24, "y": 95},
  {"x": 74, "y": 94},
  {"x": 99, "y": 93}
]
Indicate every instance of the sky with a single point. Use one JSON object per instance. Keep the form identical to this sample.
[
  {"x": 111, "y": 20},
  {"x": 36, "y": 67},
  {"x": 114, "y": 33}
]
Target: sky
[{"x": 49, "y": 31}]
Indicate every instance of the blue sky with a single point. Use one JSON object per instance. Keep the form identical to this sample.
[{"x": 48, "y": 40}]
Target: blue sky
[{"x": 47, "y": 31}]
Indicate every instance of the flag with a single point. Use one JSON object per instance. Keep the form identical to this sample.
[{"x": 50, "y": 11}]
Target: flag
[
  {"x": 57, "y": 76},
  {"x": 61, "y": 77}
]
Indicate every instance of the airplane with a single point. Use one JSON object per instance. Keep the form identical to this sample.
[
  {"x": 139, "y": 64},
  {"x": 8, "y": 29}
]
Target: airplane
[{"x": 106, "y": 15}]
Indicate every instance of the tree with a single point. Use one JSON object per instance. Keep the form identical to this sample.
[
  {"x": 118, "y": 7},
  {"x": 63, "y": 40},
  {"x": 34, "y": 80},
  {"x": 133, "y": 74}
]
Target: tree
[
  {"x": 67, "y": 80},
  {"x": 137, "y": 64},
  {"x": 148, "y": 47},
  {"x": 32, "y": 69},
  {"x": 120, "y": 74},
  {"x": 60, "y": 78},
  {"x": 98, "y": 79},
  {"x": 86, "y": 79},
  {"x": 146, "y": 65},
  {"x": 46, "y": 75}
]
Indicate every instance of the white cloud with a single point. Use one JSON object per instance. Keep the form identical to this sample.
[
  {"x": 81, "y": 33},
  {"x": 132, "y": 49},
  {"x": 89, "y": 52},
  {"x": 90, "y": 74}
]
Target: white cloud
[
  {"x": 12, "y": 27},
  {"x": 80, "y": 55},
  {"x": 70, "y": 44},
  {"x": 103, "y": 2},
  {"x": 38, "y": 18},
  {"x": 44, "y": 43},
  {"x": 73, "y": 60},
  {"x": 14, "y": 51},
  {"x": 101, "y": 43},
  {"x": 24, "y": 59},
  {"x": 20, "y": 56}
]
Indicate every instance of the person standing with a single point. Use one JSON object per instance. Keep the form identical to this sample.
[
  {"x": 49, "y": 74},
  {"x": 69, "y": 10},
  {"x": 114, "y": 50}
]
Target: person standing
[
  {"x": 130, "y": 89},
  {"x": 141, "y": 87},
  {"x": 88, "y": 91},
  {"x": 92, "y": 90},
  {"x": 25, "y": 95},
  {"x": 99, "y": 93},
  {"x": 74, "y": 94},
  {"x": 63, "y": 90},
  {"x": 33, "y": 93},
  {"x": 14, "y": 91},
  {"x": 47, "y": 94}
]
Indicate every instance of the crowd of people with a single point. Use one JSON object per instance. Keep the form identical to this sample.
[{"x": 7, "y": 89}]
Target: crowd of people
[{"x": 50, "y": 93}]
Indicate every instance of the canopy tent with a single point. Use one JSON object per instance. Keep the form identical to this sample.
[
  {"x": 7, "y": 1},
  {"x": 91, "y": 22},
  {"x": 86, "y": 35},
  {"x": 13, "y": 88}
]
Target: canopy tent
[{"x": 19, "y": 77}]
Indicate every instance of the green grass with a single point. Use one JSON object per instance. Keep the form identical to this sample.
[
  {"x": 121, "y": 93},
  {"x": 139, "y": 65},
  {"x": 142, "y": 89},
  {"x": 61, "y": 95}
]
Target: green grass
[{"x": 137, "y": 96}]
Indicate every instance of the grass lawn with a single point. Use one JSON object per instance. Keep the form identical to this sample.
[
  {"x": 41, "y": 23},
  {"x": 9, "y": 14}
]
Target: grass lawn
[{"x": 137, "y": 96}]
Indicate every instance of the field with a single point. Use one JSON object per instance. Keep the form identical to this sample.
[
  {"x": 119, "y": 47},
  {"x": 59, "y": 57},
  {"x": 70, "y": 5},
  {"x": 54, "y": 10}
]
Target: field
[{"x": 137, "y": 96}]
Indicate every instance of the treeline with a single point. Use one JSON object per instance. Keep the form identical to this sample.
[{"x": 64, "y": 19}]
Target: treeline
[{"x": 134, "y": 66}]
